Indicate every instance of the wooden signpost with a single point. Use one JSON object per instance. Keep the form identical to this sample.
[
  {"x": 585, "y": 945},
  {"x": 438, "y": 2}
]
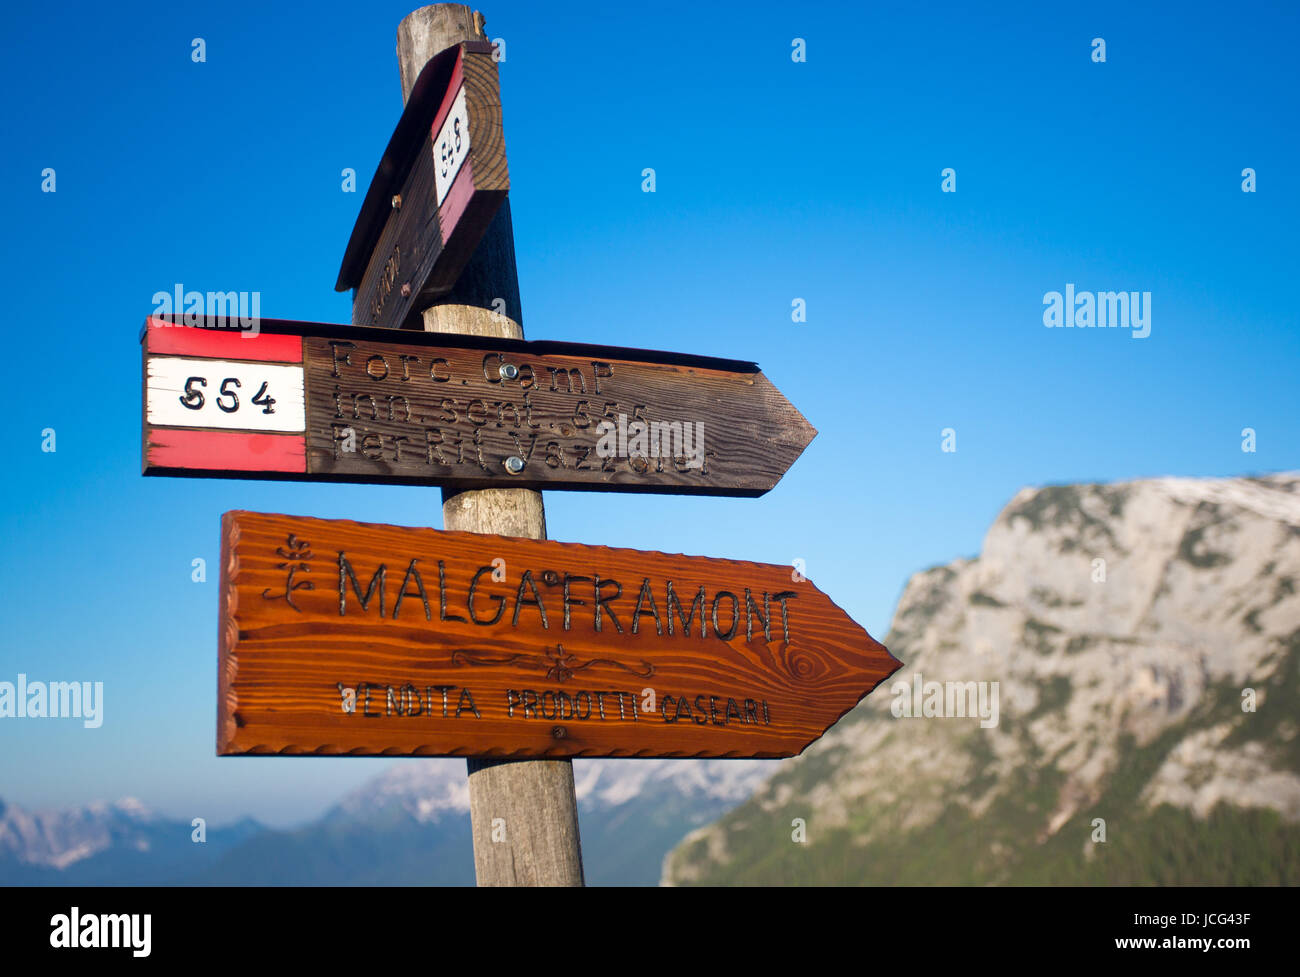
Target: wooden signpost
[
  {"x": 436, "y": 190},
  {"x": 345, "y": 638},
  {"x": 352, "y": 638},
  {"x": 324, "y": 402}
]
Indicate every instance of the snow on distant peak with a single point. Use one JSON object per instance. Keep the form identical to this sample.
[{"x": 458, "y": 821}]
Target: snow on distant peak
[
  {"x": 59, "y": 838},
  {"x": 134, "y": 807},
  {"x": 614, "y": 782},
  {"x": 425, "y": 789},
  {"x": 429, "y": 789}
]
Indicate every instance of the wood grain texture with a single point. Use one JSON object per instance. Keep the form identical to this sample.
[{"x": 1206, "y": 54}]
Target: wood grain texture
[
  {"x": 489, "y": 278},
  {"x": 764, "y": 666},
  {"x": 534, "y": 800},
  {"x": 423, "y": 247},
  {"x": 435, "y": 409},
  {"x": 482, "y": 184},
  {"x": 426, "y": 31}
]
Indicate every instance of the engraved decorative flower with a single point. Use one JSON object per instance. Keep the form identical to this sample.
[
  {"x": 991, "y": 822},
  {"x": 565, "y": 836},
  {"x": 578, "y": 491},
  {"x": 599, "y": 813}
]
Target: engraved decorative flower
[
  {"x": 295, "y": 553},
  {"x": 560, "y": 664}
]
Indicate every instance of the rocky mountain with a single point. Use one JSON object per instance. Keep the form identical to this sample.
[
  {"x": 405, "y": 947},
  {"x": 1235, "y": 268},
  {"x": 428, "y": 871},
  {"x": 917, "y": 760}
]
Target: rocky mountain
[
  {"x": 407, "y": 826},
  {"x": 106, "y": 844},
  {"x": 1130, "y": 654}
]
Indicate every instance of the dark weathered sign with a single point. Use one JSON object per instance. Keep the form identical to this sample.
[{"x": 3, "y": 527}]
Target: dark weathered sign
[
  {"x": 436, "y": 190},
  {"x": 341, "y": 637},
  {"x": 321, "y": 402}
]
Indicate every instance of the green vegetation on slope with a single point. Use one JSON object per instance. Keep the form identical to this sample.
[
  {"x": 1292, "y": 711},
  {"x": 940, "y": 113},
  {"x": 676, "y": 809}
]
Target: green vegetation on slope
[{"x": 1008, "y": 842}]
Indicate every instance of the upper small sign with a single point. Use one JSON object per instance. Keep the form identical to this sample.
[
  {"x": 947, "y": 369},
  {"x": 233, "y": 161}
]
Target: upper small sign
[{"x": 436, "y": 190}]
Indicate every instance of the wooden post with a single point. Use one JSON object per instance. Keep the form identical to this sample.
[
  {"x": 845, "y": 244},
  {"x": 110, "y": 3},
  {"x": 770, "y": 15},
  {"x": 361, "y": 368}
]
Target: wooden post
[{"x": 524, "y": 812}]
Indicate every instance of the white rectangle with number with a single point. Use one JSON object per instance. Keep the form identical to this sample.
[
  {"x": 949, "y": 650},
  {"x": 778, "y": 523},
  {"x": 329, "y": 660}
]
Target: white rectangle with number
[
  {"x": 451, "y": 146},
  {"x": 184, "y": 392}
]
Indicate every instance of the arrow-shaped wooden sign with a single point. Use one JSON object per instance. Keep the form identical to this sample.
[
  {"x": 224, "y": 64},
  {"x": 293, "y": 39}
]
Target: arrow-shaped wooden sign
[
  {"x": 303, "y": 400},
  {"x": 341, "y": 637}
]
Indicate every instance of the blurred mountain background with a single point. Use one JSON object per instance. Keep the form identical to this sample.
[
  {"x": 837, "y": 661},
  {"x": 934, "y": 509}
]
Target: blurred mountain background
[{"x": 407, "y": 826}]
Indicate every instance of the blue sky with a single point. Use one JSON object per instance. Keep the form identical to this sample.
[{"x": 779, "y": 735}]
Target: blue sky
[{"x": 775, "y": 180}]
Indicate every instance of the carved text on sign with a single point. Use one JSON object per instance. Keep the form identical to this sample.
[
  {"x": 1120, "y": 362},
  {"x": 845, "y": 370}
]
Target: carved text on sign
[
  {"x": 420, "y": 642},
  {"x": 575, "y": 599},
  {"x": 312, "y": 400}
]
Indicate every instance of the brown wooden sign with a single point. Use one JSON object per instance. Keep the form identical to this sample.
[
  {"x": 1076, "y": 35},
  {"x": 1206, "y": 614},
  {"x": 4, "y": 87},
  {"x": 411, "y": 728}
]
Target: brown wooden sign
[
  {"x": 341, "y": 637},
  {"x": 436, "y": 190},
  {"x": 303, "y": 400}
]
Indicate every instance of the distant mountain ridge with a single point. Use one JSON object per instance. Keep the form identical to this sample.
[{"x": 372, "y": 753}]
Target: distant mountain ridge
[
  {"x": 106, "y": 844},
  {"x": 410, "y": 824},
  {"x": 407, "y": 826},
  {"x": 1130, "y": 629}
]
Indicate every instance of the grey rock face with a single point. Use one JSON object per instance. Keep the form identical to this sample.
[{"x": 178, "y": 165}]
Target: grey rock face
[{"x": 1129, "y": 628}]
